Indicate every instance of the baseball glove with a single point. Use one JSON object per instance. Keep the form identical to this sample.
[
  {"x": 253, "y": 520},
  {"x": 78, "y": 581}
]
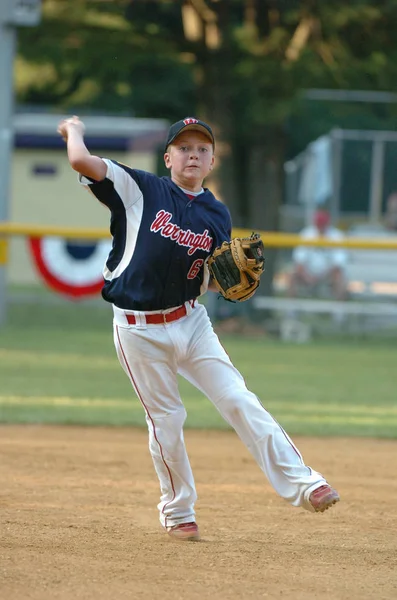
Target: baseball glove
[{"x": 236, "y": 267}]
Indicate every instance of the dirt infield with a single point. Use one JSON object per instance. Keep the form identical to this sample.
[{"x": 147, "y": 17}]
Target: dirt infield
[{"x": 79, "y": 521}]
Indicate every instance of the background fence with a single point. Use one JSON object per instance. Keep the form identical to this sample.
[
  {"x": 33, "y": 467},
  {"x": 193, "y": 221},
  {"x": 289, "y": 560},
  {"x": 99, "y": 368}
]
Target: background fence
[
  {"x": 73, "y": 260},
  {"x": 352, "y": 171}
]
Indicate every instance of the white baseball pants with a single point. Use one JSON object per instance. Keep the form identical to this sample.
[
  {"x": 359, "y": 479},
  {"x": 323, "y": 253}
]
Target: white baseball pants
[{"x": 152, "y": 356}]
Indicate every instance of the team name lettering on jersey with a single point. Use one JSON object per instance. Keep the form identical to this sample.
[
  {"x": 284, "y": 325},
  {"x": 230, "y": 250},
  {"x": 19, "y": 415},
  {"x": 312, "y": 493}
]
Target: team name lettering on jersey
[{"x": 194, "y": 241}]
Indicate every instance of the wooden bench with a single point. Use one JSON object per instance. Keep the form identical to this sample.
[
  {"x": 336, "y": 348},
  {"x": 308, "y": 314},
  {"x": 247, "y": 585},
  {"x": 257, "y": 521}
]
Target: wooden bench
[
  {"x": 307, "y": 305},
  {"x": 293, "y": 316}
]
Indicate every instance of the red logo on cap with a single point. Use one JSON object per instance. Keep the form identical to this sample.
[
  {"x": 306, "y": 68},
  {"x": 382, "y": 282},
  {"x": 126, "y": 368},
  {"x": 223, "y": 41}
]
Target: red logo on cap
[{"x": 190, "y": 121}]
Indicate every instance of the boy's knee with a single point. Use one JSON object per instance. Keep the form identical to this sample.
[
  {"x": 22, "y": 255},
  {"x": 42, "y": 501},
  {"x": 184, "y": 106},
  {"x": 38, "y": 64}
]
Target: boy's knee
[{"x": 236, "y": 403}]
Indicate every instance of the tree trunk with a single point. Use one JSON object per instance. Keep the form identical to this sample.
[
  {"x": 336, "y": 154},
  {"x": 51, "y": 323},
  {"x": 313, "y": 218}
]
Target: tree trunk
[
  {"x": 233, "y": 180},
  {"x": 266, "y": 184},
  {"x": 216, "y": 107}
]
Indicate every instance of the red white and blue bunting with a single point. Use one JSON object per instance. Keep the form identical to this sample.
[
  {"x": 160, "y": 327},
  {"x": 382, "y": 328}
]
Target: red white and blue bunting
[{"x": 73, "y": 268}]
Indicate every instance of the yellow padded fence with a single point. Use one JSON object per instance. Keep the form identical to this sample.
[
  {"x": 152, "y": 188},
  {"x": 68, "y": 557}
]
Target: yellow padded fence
[
  {"x": 3, "y": 252},
  {"x": 271, "y": 239}
]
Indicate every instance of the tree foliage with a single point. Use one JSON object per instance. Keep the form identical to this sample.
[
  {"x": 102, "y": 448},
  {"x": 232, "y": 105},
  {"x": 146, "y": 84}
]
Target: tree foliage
[{"x": 250, "y": 56}]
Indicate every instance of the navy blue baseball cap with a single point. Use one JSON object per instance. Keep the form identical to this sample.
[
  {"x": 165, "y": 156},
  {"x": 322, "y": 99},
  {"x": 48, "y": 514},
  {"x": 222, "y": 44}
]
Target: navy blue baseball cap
[{"x": 189, "y": 124}]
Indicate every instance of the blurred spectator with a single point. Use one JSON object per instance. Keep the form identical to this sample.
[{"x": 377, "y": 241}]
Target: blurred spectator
[
  {"x": 315, "y": 267},
  {"x": 391, "y": 213}
]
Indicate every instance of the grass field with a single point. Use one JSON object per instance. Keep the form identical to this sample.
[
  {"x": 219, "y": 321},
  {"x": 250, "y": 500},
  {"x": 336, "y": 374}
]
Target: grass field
[{"x": 58, "y": 365}]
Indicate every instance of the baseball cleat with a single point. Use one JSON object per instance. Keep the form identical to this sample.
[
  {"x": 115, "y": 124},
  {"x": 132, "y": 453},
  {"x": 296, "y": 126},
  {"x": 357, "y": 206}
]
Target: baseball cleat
[
  {"x": 323, "y": 497},
  {"x": 185, "y": 532}
]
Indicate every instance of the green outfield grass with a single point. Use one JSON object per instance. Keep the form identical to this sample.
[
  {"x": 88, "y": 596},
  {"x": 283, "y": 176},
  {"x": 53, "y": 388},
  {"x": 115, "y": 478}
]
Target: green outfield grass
[{"x": 58, "y": 365}]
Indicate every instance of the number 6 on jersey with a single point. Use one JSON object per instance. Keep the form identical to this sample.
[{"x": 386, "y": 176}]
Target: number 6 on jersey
[{"x": 195, "y": 268}]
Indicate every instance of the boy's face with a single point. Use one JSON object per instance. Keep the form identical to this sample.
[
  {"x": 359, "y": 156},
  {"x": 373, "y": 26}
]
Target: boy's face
[{"x": 190, "y": 158}]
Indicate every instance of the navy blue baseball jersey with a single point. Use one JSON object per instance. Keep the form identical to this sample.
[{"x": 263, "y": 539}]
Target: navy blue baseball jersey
[{"x": 161, "y": 238}]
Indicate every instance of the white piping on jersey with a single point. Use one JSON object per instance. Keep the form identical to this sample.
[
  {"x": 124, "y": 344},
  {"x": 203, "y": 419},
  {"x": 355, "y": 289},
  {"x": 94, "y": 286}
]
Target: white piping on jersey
[
  {"x": 125, "y": 185},
  {"x": 133, "y": 220},
  {"x": 127, "y": 188},
  {"x": 206, "y": 278}
]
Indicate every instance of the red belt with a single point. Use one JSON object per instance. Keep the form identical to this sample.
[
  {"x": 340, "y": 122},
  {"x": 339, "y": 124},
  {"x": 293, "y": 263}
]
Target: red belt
[{"x": 160, "y": 318}]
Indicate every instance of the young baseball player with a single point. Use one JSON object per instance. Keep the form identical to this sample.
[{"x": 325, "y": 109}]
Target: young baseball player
[{"x": 164, "y": 229}]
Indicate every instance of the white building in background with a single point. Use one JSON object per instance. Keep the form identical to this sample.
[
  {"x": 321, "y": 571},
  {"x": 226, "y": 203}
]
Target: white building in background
[{"x": 44, "y": 189}]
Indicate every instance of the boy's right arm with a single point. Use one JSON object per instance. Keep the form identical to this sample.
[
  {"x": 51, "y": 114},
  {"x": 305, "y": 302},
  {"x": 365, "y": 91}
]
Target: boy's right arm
[{"x": 81, "y": 160}]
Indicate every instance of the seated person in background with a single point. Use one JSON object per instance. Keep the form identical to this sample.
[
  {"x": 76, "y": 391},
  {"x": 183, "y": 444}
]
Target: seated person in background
[
  {"x": 314, "y": 266},
  {"x": 391, "y": 213}
]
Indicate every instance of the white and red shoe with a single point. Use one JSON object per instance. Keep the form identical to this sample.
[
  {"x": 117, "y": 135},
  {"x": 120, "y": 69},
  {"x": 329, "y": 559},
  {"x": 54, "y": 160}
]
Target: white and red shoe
[
  {"x": 323, "y": 497},
  {"x": 185, "y": 532}
]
